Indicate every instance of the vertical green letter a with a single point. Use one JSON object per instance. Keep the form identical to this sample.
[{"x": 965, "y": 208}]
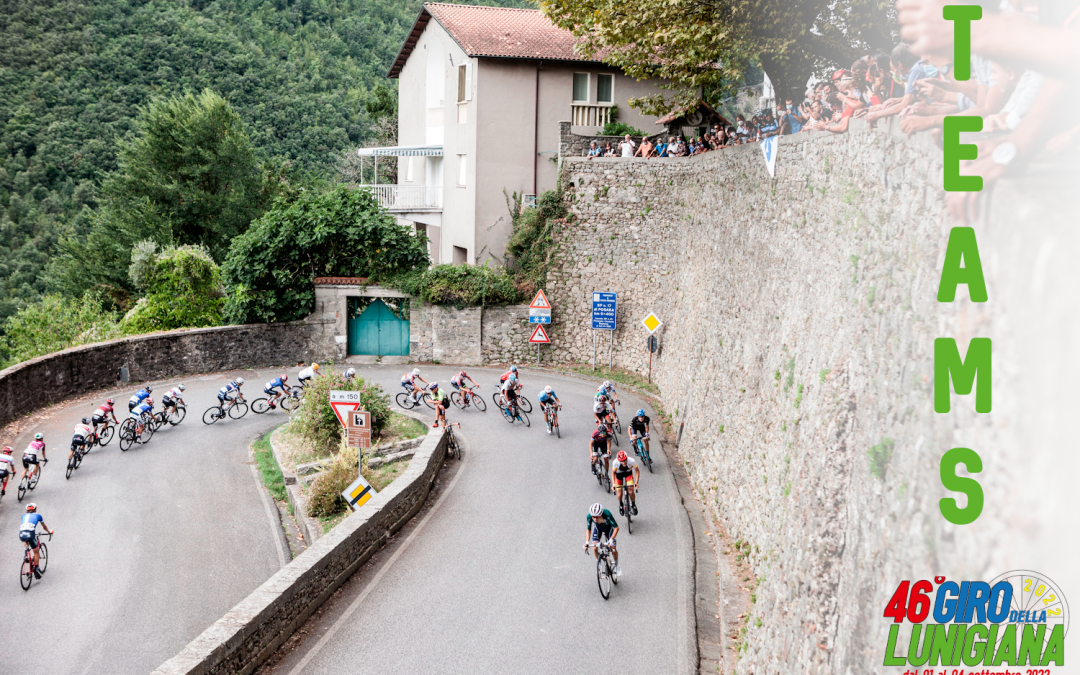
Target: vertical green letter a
[{"x": 962, "y": 245}]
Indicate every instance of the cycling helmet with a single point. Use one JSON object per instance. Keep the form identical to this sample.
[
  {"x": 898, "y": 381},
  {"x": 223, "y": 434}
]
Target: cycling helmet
[
  {"x": 513, "y": 378},
  {"x": 513, "y": 369},
  {"x": 596, "y": 509},
  {"x": 548, "y": 389},
  {"x": 150, "y": 401},
  {"x": 601, "y": 398},
  {"x": 284, "y": 377},
  {"x": 86, "y": 420},
  {"x": 641, "y": 412},
  {"x": 315, "y": 366},
  {"x": 463, "y": 374},
  {"x": 416, "y": 372},
  {"x": 149, "y": 389},
  {"x": 31, "y": 507},
  {"x": 182, "y": 388},
  {"x": 110, "y": 401},
  {"x": 8, "y": 450},
  {"x": 621, "y": 457},
  {"x": 239, "y": 380},
  {"x": 38, "y": 437},
  {"x": 351, "y": 372},
  {"x": 433, "y": 386},
  {"x": 607, "y": 384}
]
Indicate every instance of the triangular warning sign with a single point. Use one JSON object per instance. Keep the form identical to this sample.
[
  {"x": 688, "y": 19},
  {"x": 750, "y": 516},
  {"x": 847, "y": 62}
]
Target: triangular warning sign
[
  {"x": 342, "y": 410},
  {"x": 539, "y": 336},
  {"x": 540, "y": 301}
]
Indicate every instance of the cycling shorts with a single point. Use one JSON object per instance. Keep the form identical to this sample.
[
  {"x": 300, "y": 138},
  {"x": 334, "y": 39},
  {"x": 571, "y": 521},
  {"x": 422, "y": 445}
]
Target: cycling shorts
[
  {"x": 131, "y": 405},
  {"x": 224, "y": 397},
  {"x": 78, "y": 440},
  {"x": 625, "y": 480},
  {"x": 455, "y": 385},
  {"x": 409, "y": 386},
  {"x": 510, "y": 394},
  {"x": 27, "y": 461},
  {"x": 602, "y": 530},
  {"x": 167, "y": 403},
  {"x": 303, "y": 380},
  {"x": 4, "y": 474},
  {"x": 98, "y": 419},
  {"x": 270, "y": 391},
  {"x": 30, "y": 538},
  {"x": 601, "y": 448},
  {"x": 445, "y": 402}
]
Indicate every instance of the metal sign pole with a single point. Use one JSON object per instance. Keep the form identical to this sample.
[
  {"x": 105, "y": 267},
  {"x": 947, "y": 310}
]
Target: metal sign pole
[
  {"x": 611, "y": 346},
  {"x": 594, "y": 350},
  {"x": 650, "y": 365},
  {"x": 537, "y": 354}
]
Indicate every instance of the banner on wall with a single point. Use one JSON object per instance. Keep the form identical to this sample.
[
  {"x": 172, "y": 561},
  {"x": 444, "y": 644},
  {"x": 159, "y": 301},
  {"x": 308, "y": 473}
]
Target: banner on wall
[{"x": 769, "y": 146}]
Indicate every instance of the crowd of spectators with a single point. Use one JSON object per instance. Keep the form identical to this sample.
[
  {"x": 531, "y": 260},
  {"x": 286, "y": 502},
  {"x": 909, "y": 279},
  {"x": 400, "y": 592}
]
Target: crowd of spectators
[{"x": 1022, "y": 63}]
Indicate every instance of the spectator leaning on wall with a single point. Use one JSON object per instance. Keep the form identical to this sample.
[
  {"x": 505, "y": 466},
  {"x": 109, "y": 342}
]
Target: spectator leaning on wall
[{"x": 627, "y": 147}]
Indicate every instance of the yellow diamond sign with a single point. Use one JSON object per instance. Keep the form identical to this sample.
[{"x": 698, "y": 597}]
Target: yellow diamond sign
[{"x": 651, "y": 323}]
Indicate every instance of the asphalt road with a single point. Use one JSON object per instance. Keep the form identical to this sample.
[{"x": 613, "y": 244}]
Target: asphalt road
[
  {"x": 152, "y": 545},
  {"x": 493, "y": 579}
]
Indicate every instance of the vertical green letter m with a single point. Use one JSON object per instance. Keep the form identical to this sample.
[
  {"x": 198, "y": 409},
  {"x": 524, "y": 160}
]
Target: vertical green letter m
[{"x": 947, "y": 362}]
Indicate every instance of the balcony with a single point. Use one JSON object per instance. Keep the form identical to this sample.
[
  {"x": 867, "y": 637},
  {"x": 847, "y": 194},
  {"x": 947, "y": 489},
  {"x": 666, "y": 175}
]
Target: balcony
[
  {"x": 585, "y": 115},
  {"x": 407, "y": 198}
]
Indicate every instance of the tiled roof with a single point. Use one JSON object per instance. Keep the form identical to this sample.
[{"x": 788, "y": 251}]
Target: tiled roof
[
  {"x": 340, "y": 281},
  {"x": 501, "y": 32}
]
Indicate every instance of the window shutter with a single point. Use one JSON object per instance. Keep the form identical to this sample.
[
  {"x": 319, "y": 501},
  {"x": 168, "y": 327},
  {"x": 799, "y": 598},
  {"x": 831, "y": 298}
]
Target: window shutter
[{"x": 468, "y": 81}]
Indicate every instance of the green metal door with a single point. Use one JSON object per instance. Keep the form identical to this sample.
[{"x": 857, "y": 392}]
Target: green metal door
[{"x": 377, "y": 330}]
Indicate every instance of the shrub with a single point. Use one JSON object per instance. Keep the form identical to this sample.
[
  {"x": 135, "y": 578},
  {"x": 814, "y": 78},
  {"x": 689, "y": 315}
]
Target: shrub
[
  {"x": 315, "y": 421},
  {"x": 461, "y": 285},
  {"x": 621, "y": 129},
  {"x": 324, "y": 495},
  {"x": 182, "y": 285},
  {"x": 54, "y": 323}
]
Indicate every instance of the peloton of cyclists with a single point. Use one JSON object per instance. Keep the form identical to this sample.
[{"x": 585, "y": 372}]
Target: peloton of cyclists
[
  {"x": 548, "y": 398},
  {"x": 28, "y": 533},
  {"x": 441, "y": 401},
  {"x": 172, "y": 398},
  {"x": 30, "y": 460},
  {"x": 625, "y": 475},
  {"x": 81, "y": 437},
  {"x": 102, "y": 415},
  {"x": 230, "y": 392},
  {"x": 276, "y": 388},
  {"x": 639, "y": 428},
  {"x": 510, "y": 393},
  {"x": 600, "y": 446},
  {"x": 7, "y": 468},
  {"x": 600, "y": 524},
  {"x": 139, "y": 397},
  {"x": 408, "y": 381},
  {"x": 308, "y": 374}
]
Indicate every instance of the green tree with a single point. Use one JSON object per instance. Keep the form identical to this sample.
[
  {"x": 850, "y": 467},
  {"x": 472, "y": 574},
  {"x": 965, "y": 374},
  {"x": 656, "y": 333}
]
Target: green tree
[
  {"x": 270, "y": 269},
  {"x": 182, "y": 285},
  {"x": 54, "y": 323}
]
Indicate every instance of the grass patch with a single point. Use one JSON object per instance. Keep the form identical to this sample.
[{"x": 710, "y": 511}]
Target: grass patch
[
  {"x": 880, "y": 455},
  {"x": 385, "y": 474},
  {"x": 402, "y": 428},
  {"x": 620, "y": 375},
  {"x": 268, "y": 467}
]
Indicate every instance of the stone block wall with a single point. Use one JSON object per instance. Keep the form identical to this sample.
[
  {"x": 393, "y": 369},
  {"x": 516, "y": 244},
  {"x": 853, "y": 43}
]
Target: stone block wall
[
  {"x": 456, "y": 335},
  {"x": 577, "y": 145},
  {"x": 800, "y": 316},
  {"x": 506, "y": 332}
]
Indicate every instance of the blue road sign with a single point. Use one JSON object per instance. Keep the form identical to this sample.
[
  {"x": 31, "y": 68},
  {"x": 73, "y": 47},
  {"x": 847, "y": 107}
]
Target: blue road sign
[{"x": 603, "y": 311}]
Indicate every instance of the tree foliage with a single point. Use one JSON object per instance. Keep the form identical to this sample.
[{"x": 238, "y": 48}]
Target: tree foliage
[
  {"x": 55, "y": 323},
  {"x": 315, "y": 420},
  {"x": 713, "y": 43},
  {"x": 340, "y": 232},
  {"x": 182, "y": 285}
]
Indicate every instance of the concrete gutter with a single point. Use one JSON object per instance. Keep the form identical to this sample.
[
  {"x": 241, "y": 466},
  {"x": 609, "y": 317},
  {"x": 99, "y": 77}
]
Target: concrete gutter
[{"x": 253, "y": 630}]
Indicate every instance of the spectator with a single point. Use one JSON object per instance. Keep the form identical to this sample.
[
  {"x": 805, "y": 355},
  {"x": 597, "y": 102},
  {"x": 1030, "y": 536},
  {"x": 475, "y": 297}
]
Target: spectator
[
  {"x": 817, "y": 121},
  {"x": 627, "y": 147},
  {"x": 769, "y": 126},
  {"x": 741, "y": 130},
  {"x": 906, "y": 65},
  {"x": 594, "y": 150},
  {"x": 849, "y": 91},
  {"x": 646, "y": 148},
  {"x": 790, "y": 123},
  {"x": 661, "y": 147},
  {"x": 609, "y": 150}
]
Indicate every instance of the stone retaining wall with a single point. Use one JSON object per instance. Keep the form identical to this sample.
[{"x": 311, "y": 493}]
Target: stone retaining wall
[
  {"x": 577, "y": 145},
  {"x": 249, "y": 633},
  {"x": 800, "y": 316}
]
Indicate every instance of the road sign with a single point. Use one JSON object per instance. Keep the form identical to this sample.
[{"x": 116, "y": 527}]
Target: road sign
[
  {"x": 344, "y": 402},
  {"x": 603, "y": 310},
  {"x": 358, "y": 493},
  {"x": 539, "y": 336},
  {"x": 651, "y": 323},
  {"x": 359, "y": 429},
  {"x": 540, "y": 309},
  {"x": 653, "y": 344}
]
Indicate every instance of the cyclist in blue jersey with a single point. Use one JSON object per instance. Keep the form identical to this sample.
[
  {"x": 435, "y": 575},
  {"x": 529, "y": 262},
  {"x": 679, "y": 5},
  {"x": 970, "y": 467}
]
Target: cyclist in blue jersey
[
  {"x": 140, "y": 396},
  {"x": 547, "y": 398},
  {"x": 599, "y": 524},
  {"x": 142, "y": 414},
  {"x": 229, "y": 392},
  {"x": 28, "y": 532},
  {"x": 276, "y": 388}
]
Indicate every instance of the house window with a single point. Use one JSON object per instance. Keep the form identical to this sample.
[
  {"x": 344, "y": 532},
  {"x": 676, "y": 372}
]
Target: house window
[
  {"x": 460, "y": 83},
  {"x": 461, "y": 171},
  {"x": 408, "y": 169},
  {"x": 461, "y": 256},
  {"x": 604, "y": 87},
  {"x": 581, "y": 88}
]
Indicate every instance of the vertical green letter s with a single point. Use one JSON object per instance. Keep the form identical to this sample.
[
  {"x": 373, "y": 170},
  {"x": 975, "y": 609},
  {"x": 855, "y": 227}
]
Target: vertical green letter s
[{"x": 969, "y": 486}]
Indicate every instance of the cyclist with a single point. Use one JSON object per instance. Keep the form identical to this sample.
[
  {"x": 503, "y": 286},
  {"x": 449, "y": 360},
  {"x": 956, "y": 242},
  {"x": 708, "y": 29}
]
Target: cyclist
[
  {"x": 607, "y": 389},
  {"x": 441, "y": 401},
  {"x": 599, "y": 524},
  {"x": 142, "y": 414},
  {"x": 140, "y": 396},
  {"x": 625, "y": 469},
  {"x": 549, "y": 399},
  {"x": 172, "y": 398},
  {"x": 510, "y": 394},
  {"x": 307, "y": 374},
  {"x": 82, "y": 436},
  {"x": 229, "y": 392},
  {"x": 639, "y": 428},
  {"x": 513, "y": 372},
  {"x": 28, "y": 532},
  {"x": 350, "y": 374},
  {"x": 30, "y": 455},
  {"x": 600, "y": 446},
  {"x": 277, "y": 387},
  {"x": 102, "y": 414},
  {"x": 7, "y": 468},
  {"x": 458, "y": 381},
  {"x": 408, "y": 380},
  {"x": 600, "y": 409}
]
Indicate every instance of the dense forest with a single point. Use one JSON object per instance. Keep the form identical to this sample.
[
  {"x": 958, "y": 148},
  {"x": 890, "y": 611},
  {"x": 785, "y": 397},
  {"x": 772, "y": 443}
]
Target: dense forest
[{"x": 74, "y": 74}]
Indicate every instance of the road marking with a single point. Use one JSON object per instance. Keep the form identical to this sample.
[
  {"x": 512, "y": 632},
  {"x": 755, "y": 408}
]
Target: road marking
[
  {"x": 274, "y": 518},
  {"x": 355, "y": 604}
]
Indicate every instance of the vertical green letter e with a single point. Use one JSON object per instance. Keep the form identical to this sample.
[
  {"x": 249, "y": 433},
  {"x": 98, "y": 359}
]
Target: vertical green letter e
[
  {"x": 962, "y": 246},
  {"x": 947, "y": 362},
  {"x": 956, "y": 151}
]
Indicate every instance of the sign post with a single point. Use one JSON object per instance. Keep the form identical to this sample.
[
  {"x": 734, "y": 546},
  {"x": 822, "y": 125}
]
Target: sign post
[
  {"x": 652, "y": 323},
  {"x": 342, "y": 403},
  {"x": 540, "y": 314},
  {"x": 604, "y": 306},
  {"x": 358, "y": 432}
]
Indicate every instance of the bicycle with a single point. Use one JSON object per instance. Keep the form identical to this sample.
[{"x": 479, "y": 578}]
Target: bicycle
[
  {"x": 467, "y": 397},
  {"x": 523, "y": 401},
  {"x": 602, "y": 476},
  {"x": 176, "y": 416},
  {"x": 410, "y": 400},
  {"x": 236, "y": 408},
  {"x": 617, "y": 425},
  {"x": 26, "y": 572},
  {"x": 27, "y": 484},
  {"x": 77, "y": 454},
  {"x": 642, "y": 451},
  {"x": 453, "y": 449},
  {"x": 626, "y": 505},
  {"x": 106, "y": 435},
  {"x": 129, "y": 437},
  {"x": 605, "y": 568},
  {"x": 551, "y": 418},
  {"x": 519, "y": 413}
]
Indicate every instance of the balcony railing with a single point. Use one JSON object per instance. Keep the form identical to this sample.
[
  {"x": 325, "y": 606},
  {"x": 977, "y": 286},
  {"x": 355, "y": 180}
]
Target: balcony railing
[
  {"x": 408, "y": 197},
  {"x": 583, "y": 115}
]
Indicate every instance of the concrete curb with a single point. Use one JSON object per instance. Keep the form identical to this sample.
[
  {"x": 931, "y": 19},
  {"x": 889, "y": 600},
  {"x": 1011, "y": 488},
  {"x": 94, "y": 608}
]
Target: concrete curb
[
  {"x": 312, "y": 530},
  {"x": 253, "y": 630}
]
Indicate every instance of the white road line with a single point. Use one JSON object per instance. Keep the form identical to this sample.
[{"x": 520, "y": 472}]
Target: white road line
[
  {"x": 274, "y": 518},
  {"x": 355, "y": 604}
]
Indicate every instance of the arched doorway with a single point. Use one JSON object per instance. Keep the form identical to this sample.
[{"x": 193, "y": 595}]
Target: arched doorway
[{"x": 378, "y": 329}]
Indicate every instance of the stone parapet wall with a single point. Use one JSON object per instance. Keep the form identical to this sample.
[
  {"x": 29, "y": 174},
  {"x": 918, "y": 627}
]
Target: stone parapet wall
[
  {"x": 800, "y": 316},
  {"x": 577, "y": 145},
  {"x": 506, "y": 332}
]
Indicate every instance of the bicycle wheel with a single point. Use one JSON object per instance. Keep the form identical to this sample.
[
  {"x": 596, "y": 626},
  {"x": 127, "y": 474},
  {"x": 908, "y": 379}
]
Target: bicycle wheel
[
  {"x": 238, "y": 410},
  {"x": 618, "y": 422},
  {"x": 427, "y": 401},
  {"x": 479, "y": 402},
  {"x": 615, "y": 437},
  {"x": 288, "y": 402},
  {"x": 106, "y": 435},
  {"x": 43, "y": 557},
  {"x": 260, "y": 405},
  {"x": 524, "y": 417},
  {"x": 146, "y": 435},
  {"x": 626, "y": 508},
  {"x": 159, "y": 419},
  {"x": 404, "y": 401},
  {"x": 211, "y": 415},
  {"x": 70, "y": 466},
  {"x": 603, "y": 577},
  {"x": 35, "y": 478},
  {"x": 498, "y": 399},
  {"x": 26, "y": 573},
  {"x": 23, "y": 485},
  {"x": 647, "y": 457},
  {"x": 506, "y": 414},
  {"x": 178, "y": 415},
  {"x": 526, "y": 404},
  {"x": 607, "y": 482},
  {"x": 456, "y": 399},
  {"x": 555, "y": 423}
]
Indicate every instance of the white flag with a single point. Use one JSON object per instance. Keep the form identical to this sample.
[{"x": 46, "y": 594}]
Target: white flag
[{"x": 769, "y": 146}]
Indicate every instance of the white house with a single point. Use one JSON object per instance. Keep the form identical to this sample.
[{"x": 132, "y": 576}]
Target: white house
[{"x": 481, "y": 91}]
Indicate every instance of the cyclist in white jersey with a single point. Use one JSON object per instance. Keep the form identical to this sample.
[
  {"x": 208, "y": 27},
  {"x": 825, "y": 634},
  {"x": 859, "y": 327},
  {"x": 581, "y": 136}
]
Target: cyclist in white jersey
[{"x": 7, "y": 468}]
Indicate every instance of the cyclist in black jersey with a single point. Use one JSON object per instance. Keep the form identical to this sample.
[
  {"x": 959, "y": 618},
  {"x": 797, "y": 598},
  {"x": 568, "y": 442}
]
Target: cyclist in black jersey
[
  {"x": 600, "y": 445},
  {"x": 639, "y": 428}
]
